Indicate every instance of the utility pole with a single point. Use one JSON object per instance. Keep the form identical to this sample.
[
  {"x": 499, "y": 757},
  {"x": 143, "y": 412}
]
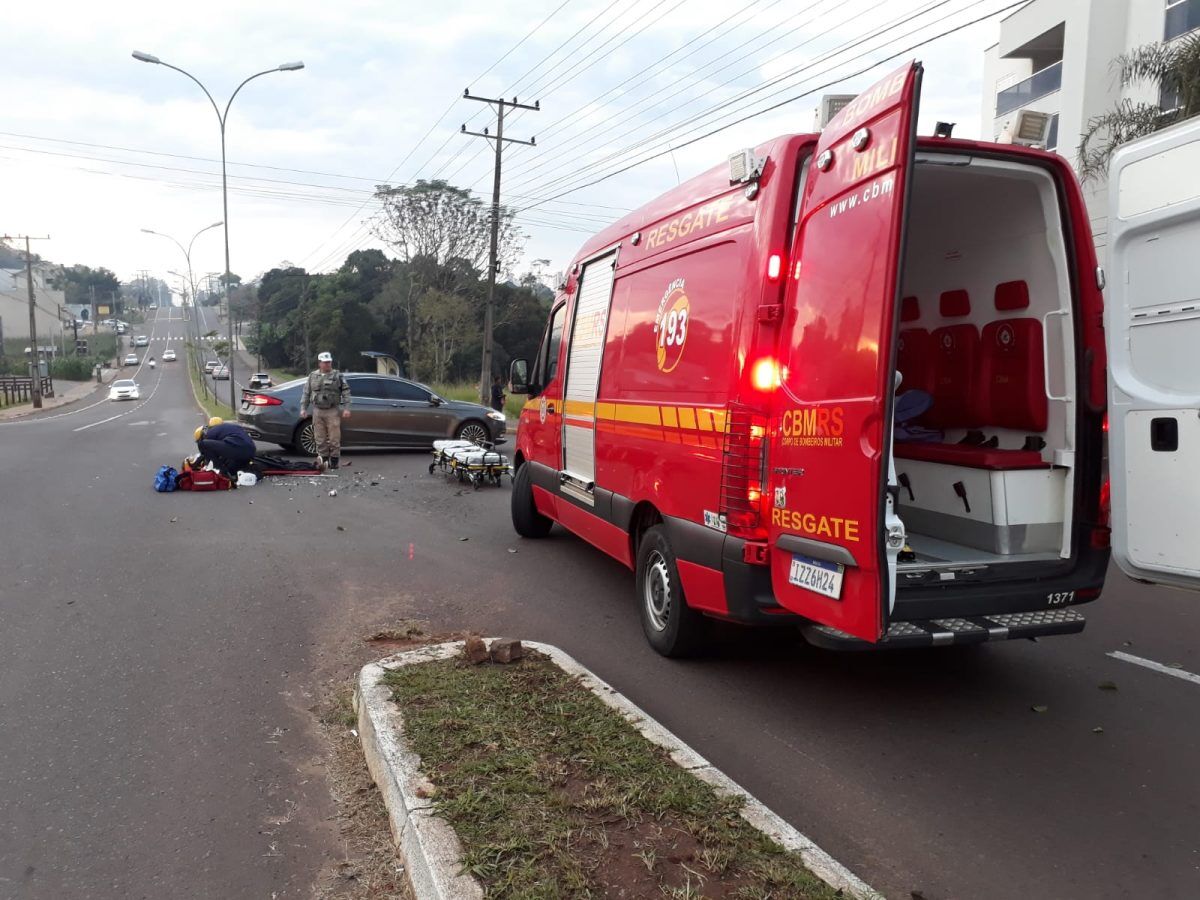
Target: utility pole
[
  {"x": 35, "y": 370},
  {"x": 499, "y": 104}
]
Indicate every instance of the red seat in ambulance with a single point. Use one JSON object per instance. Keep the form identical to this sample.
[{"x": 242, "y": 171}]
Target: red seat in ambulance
[
  {"x": 955, "y": 360},
  {"x": 991, "y": 381},
  {"x": 914, "y": 357}
]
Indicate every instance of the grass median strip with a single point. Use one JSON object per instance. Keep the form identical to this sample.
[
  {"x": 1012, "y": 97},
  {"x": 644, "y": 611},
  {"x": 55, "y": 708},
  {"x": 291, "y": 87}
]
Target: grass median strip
[{"x": 553, "y": 794}]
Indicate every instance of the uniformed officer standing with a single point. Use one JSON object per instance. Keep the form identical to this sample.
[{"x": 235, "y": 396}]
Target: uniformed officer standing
[{"x": 329, "y": 395}]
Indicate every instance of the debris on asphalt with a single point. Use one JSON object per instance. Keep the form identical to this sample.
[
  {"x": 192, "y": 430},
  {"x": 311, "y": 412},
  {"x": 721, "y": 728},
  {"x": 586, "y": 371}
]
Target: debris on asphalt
[
  {"x": 506, "y": 650},
  {"x": 1097, "y": 730},
  {"x": 464, "y": 538},
  {"x": 333, "y": 493},
  {"x": 512, "y": 549},
  {"x": 341, "y": 528},
  {"x": 1039, "y": 709},
  {"x": 174, "y": 520},
  {"x": 1108, "y": 685}
]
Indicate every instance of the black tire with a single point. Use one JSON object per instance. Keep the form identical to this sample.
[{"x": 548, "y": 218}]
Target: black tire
[
  {"x": 527, "y": 521},
  {"x": 474, "y": 431},
  {"x": 672, "y": 627},
  {"x": 306, "y": 438}
]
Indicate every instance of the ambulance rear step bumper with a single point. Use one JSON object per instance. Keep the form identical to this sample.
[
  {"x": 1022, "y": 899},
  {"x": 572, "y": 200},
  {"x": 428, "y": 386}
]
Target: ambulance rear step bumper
[{"x": 949, "y": 631}]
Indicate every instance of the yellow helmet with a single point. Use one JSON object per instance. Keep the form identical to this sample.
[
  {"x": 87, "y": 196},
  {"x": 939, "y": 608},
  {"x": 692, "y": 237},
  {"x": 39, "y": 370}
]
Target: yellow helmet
[
  {"x": 196, "y": 435},
  {"x": 215, "y": 420}
]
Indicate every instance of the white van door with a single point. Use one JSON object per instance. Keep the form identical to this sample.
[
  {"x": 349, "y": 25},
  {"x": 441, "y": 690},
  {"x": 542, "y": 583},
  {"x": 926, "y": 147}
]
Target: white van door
[
  {"x": 1152, "y": 322},
  {"x": 585, "y": 353}
]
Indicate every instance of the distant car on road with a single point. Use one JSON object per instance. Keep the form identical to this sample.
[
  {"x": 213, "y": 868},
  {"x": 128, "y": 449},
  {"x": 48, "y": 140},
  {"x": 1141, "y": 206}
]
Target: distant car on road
[
  {"x": 260, "y": 380},
  {"x": 130, "y": 360},
  {"x": 168, "y": 356},
  {"x": 141, "y": 341},
  {"x": 210, "y": 366},
  {"x": 386, "y": 412},
  {"x": 221, "y": 373},
  {"x": 124, "y": 389}
]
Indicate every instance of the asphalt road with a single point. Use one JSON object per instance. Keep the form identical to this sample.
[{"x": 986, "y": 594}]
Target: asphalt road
[{"x": 160, "y": 654}]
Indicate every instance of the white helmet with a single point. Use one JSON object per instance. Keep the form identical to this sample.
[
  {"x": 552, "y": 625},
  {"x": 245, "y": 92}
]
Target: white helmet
[{"x": 325, "y": 357}]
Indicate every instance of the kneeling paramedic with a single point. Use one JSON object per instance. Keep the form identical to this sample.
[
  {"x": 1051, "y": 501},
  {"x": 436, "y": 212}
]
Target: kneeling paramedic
[
  {"x": 227, "y": 446},
  {"x": 329, "y": 395}
]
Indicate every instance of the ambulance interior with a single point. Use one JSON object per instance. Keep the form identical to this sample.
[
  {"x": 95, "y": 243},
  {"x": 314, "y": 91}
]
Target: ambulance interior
[{"x": 985, "y": 471}]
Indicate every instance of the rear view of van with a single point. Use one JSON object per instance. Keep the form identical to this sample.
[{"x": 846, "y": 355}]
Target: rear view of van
[{"x": 851, "y": 382}]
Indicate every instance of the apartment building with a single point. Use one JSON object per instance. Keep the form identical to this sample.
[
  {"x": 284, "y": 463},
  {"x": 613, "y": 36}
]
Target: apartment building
[
  {"x": 14, "y": 304},
  {"x": 1055, "y": 56}
]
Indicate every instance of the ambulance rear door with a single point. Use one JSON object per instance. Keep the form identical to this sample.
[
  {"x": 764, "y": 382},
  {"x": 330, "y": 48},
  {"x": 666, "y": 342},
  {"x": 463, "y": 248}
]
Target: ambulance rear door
[
  {"x": 829, "y": 505},
  {"x": 1152, "y": 322}
]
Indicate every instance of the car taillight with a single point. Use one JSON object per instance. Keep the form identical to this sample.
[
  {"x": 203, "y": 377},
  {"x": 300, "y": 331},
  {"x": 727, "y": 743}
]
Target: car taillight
[{"x": 264, "y": 400}]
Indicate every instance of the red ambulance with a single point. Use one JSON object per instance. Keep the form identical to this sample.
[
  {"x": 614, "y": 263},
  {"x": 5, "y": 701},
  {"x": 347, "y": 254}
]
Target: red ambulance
[{"x": 715, "y": 399}]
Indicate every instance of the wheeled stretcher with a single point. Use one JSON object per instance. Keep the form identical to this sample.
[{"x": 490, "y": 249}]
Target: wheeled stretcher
[{"x": 469, "y": 462}]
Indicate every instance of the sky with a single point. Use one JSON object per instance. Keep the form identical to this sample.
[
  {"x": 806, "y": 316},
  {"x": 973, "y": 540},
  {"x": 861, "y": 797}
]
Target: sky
[{"x": 96, "y": 146}]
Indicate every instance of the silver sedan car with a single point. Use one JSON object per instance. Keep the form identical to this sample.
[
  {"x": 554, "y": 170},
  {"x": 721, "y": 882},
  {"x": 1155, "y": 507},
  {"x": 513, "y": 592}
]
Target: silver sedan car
[{"x": 386, "y": 412}]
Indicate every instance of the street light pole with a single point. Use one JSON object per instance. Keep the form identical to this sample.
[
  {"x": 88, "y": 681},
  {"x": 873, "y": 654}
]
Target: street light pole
[
  {"x": 191, "y": 282},
  {"x": 222, "y": 117}
]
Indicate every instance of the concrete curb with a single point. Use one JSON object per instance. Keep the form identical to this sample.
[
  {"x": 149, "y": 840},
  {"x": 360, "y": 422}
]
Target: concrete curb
[{"x": 429, "y": 845}]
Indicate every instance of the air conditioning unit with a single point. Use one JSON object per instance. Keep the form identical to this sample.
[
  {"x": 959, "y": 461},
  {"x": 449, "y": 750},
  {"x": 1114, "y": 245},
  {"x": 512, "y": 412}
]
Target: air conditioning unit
[
  {"x": 1030, "y": 129},
  {"x": 831, "y": 105}
]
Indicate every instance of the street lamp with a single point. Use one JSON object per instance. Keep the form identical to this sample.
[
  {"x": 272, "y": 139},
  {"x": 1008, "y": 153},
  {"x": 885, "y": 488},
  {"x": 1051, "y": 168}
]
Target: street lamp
[
  {"x": 191, "y": 281},
  {"x": 222, "y": 118}
]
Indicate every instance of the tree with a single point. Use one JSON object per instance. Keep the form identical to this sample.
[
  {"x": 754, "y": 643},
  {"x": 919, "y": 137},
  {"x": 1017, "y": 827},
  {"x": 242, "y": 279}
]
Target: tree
[
  {"x": 446, "y": 322},
  {"x": 438, "y": 221},
  {"x": 1174, "y": 70}
]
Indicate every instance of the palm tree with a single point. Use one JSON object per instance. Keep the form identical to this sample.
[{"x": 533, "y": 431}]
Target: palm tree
[{"x": 1174, "y": 68}]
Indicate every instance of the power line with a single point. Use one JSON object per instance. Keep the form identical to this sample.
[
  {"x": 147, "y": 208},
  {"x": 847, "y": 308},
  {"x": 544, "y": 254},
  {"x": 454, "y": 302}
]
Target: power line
[
  {"x": 440, "y": 118},
  {"x": 516, "y": 85},
  {"x": 770, "y": 83},
  {"x": 807, "y": 93},
  {"x": 694, "y": 78},
  {"x": 673, "y": 130}
]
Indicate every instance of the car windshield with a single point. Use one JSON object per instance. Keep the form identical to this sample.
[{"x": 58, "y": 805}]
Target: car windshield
[{"x": 124, "y": 383}]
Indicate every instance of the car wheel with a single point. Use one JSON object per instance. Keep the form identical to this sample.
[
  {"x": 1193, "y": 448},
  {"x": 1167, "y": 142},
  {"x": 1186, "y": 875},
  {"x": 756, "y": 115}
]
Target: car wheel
[
  {"x": 306, "y": 438},
  {"x": 475, "y": 432},
  {"x": 672, "y": 627},
  {"x": 527, "y": 521}
]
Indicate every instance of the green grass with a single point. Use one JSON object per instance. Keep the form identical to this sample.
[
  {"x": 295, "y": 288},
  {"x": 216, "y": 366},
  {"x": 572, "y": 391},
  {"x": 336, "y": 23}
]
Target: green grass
[
  {"x": 469, "y": 391},
  {"x": 553, "y": 794},
  {"x": 207, "y": 401}
]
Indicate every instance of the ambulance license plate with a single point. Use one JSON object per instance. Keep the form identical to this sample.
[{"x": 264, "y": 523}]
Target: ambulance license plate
[{"x": 817, "y": 575}]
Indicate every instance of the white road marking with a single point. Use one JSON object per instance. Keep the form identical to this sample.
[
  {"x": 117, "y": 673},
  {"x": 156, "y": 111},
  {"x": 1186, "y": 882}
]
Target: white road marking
[
  {"x": 1155, "y": 666},
  {"x": 101, "y": 422},
  {"x": 75, "y": 412}
]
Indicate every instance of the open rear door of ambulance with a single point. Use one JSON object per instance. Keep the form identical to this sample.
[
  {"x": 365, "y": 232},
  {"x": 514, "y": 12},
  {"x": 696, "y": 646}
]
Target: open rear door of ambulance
[
  {"x": 830, "y": 509},
  {"x": 1152, "y": 321}
]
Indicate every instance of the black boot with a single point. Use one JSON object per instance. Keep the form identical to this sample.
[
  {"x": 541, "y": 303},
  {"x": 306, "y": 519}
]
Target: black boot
[{"x": 333, "y": 462}]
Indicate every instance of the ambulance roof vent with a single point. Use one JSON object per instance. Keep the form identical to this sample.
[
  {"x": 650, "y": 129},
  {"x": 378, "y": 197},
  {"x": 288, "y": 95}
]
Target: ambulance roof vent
[{"x": 745, "y": 167}]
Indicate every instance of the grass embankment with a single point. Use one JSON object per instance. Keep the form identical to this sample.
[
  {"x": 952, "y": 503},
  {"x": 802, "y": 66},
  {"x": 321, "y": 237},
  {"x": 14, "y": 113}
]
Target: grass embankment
[
  {"x": 469, "y": 391},
  {"x": 205, "y": 399},
  {"x": 553, "y": 794}
]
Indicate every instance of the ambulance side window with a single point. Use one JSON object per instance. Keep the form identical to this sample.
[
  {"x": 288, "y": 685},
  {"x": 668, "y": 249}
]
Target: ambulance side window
[{"x": 548, "y": 358}]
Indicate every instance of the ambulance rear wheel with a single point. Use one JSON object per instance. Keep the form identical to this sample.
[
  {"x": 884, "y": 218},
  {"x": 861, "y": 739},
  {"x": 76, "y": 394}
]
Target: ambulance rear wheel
[
  {"x": 671, "y": 626},
  {"x": 527, "y": 521}
]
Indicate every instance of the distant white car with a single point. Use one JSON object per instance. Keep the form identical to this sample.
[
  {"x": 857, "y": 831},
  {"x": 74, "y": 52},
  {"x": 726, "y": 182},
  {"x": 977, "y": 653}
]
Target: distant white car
[
  {"x": 124, "y": 389},
  {"x": 168, "y": 356},
  {"x": 141, "y": 341},
  {"x": 221, "y": 373},
  {"x": 130, "y": 360},
  {"x": 260, "y": 380},
  {"x": 210, "y": 366}
]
